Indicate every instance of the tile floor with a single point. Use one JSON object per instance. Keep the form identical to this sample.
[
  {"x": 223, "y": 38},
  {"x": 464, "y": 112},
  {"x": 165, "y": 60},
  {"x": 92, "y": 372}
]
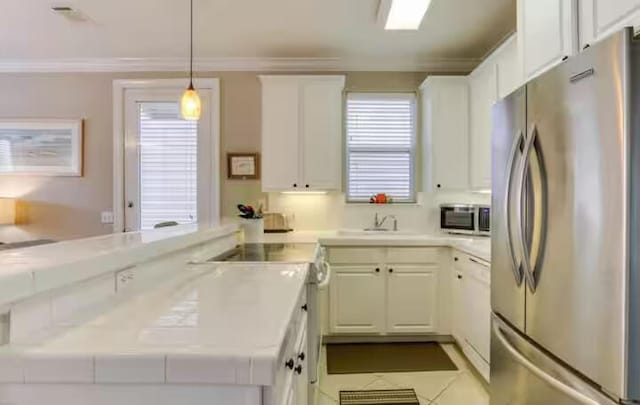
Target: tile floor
[{"x": 434, "y": 388}]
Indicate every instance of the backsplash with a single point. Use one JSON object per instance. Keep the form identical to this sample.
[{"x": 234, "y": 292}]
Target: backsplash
[{"x": 315, "y": 212}]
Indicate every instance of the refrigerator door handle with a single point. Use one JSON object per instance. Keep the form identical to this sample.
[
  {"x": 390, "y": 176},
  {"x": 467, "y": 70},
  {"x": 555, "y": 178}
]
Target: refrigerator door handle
[
  {"x": 507, "y": 204},
  {"x": 526, "y": 259},
  {"x": 538, "y": 372}
]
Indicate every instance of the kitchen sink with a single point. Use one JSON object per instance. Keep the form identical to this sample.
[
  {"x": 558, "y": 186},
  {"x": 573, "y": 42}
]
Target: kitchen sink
[{"x": 382, "y": 232}]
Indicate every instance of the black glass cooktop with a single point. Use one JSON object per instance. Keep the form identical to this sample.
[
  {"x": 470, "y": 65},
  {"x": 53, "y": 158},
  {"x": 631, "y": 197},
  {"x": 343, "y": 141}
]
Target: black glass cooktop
[{"x": 270, "y": 252}]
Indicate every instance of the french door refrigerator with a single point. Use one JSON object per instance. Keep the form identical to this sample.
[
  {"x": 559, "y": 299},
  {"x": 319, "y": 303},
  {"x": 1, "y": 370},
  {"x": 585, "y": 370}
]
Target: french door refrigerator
[{"x": 565, "y": 290}]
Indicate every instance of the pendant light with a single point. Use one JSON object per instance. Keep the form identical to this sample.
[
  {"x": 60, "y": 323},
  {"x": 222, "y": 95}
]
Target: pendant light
[{"x": 190, "y": 106}]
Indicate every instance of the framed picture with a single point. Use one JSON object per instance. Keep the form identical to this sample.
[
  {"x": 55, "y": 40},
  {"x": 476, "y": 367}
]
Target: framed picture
[
  {"x": 47, "y": 147},
  {"x": 243, "y": 166}
]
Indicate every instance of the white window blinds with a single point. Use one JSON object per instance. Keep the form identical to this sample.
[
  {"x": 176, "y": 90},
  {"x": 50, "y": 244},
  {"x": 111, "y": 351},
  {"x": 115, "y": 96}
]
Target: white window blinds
[
  {"x": 381, "y": 132},
  {"x": 168, "y": 148}
]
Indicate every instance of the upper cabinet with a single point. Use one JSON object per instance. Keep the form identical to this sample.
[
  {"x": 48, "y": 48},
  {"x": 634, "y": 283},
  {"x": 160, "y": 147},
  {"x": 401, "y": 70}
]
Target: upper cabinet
[
  {"x": 547, "y": 32},
  {"x": 483, "y": 93},
  {"x": 445, "y": 129},
  {"x": 599, "y": 18},
  {"x": 302, "y": 132}
]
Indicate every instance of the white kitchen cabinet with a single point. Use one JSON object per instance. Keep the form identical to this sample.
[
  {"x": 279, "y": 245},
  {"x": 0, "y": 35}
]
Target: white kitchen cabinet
[
  {"x": 483, "y": 93},
  {"x": 280, "y": 140},
  {"x": 600, "y": 18},
  {"x": 471, "y": 302},
  {"x": 357, "y": 299},
  {"x": 377, "y": 291},
  {"x": 458, "y": 319},
  {"x": 445, "y": 128},
  {"x": 547, "y": 33},
  {"x": 508, "y": 68},
  {"x": 301, "y": 132},
  {"x": 411, "y": 298}
]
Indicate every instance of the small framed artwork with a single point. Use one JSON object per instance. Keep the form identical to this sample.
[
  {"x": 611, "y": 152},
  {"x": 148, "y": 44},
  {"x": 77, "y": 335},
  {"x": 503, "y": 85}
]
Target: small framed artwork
[
  {"x": 47, "y": 147},
  {"x": 243, "y": 166}
]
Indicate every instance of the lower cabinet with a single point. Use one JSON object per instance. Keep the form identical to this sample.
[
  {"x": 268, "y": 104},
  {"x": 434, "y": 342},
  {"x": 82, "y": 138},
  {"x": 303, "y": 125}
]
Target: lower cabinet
[
  {"x": 356, "y": 303},
  {"x": 458, "y": 319},
  {"x": 471, "y": 304},
  {"x": 411, "y": 298},
  {"x": 397, "y": 293}
]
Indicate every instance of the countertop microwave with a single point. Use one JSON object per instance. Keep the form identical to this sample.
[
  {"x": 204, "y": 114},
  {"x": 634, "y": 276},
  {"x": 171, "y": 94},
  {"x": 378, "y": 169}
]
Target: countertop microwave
[{"x": 466, "y": 219}]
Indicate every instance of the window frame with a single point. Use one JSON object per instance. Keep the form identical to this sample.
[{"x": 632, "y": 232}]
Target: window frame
[{"x": 413, "y": 199}]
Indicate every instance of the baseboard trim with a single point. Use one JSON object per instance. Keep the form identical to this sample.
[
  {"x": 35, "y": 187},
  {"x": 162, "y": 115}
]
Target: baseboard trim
[{"x": 337, "y": 339}]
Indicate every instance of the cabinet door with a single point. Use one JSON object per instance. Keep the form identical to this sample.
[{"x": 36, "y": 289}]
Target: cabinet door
[
  {"x": 411, "y": 298},
  {"x": 477, "y": 294},
  {"x": 457, "y": 302},
  {"x": 509, "y": 73},
  {"x": 322, "y": 134},
  {"x": 301, "y": 377},
  {"x": 280, "y": 129},
  {"x": 356, "y": 299},
  {"x": 599, "y": 18},
  {"x": 483, "y": 94},
  {"x": 445, "y": 112},
  {"x": 547, "y": 31}
]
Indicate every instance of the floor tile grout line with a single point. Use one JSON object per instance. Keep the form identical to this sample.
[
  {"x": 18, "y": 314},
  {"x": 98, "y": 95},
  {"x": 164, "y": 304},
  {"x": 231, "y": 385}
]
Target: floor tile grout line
[{"x": 447, "y": 387}]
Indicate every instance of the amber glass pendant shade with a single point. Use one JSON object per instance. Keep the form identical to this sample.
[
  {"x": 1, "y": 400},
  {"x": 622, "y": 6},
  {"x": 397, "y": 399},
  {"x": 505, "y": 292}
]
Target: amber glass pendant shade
[{"x": 190, "y": 105}]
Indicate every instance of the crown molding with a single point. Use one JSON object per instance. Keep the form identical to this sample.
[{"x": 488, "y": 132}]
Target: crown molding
[{"x": 462, "y": 65}]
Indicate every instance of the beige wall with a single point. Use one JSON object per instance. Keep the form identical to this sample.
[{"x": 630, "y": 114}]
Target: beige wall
[{"x": 67, "y": 207}]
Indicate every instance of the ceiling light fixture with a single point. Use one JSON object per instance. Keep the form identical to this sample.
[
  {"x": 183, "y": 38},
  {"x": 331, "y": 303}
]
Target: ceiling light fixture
[
  {"x": 190, "y": 105},
  {"x": 404, "y": 14}
]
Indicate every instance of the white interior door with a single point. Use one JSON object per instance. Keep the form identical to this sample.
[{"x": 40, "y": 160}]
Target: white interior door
[{"x": 168, "y": 162}]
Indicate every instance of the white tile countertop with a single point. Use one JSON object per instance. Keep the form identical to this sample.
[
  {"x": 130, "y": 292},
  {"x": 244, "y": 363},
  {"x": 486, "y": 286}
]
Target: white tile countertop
[
  {"x": 214, "y": 324},
  {"x": 475, "y": 246},
  {"x": 28, "y": 271}
]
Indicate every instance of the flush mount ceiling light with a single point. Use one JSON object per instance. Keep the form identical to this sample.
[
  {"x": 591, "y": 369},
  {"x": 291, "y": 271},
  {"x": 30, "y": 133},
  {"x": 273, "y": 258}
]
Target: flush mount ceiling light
[
  {"x": 402, "y": 14},
  {"x": 190, "y": 105}
]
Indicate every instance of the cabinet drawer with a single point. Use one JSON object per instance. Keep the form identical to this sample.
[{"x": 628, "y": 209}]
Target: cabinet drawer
[
  {"x": 412, "y": 255},
  {"x": 356, "y": 255}
]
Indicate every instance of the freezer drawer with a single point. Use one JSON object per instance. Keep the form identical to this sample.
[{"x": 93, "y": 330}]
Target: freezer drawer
[{"x": 521, "y": 374}]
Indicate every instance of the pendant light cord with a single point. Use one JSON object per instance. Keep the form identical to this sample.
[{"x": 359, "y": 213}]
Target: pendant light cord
[{"x": 191, "y": 48}]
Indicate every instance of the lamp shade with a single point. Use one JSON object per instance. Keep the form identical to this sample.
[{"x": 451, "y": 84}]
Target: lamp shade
[
  {"x": 190, "y": 105},
  {"x": 7, "y": 211}
]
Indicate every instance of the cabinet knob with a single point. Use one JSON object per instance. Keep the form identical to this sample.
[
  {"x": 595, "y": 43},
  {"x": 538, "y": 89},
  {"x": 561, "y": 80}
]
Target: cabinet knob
[
  {"x": 304, "y": 307},
  {"x": 377, "y": 269},
  {"x": 455, "y": 259},
  {"x": 295, "y": 184},
  {"x": 306, "y": 185},
  {"x": 459, "y": 276},
  {"x": 438, "y": 186},
  {"x": 298, "y": 370},
  {"x": 565, "y": 58},
  {"x": 301, "y": 356},
  {"x": 390, "y": 270},
  {"x": 289, "y": 364}
]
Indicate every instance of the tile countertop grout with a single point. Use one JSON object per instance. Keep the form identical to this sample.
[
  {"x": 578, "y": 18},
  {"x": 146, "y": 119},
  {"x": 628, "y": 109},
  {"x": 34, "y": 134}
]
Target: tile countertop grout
[
  {"x": 475, "y": 246},
  {"x": 30, "y": 271},
  {"x": 211, "y": 318}
]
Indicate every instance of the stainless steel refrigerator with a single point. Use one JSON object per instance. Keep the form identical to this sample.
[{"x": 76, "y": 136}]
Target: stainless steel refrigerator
[{"x": 565, "y": 290}]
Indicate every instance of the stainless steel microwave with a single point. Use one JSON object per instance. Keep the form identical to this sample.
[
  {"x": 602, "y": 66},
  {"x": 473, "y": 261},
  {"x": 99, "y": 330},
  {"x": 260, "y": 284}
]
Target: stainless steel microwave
[{"x": 467, "y": 219}]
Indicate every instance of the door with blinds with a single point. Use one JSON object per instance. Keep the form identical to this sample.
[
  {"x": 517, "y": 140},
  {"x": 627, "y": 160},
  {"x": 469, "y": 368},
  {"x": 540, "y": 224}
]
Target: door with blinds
[{"x": 168, "y": 161}]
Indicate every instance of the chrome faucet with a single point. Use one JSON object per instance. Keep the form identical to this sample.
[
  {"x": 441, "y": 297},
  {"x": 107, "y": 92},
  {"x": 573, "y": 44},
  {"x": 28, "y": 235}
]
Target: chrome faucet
[{"x": 377, "y": 224}]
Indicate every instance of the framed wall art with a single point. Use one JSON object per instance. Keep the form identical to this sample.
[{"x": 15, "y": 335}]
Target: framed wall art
[
  {"x": 42, "y": 147},
  {"x": 243, "y": 166}
]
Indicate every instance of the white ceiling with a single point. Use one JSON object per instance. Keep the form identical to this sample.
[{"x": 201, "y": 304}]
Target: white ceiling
[{"x": 452, "y": 30}]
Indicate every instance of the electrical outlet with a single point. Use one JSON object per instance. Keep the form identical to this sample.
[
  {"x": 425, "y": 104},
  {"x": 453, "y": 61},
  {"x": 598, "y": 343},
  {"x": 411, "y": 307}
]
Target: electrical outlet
[
  {"x": 124, "y": 278},
  {"x": 106, "y": 217}
]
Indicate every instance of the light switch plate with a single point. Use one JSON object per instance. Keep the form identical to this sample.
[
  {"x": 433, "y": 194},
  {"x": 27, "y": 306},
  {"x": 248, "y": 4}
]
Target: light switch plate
[{"x": 106, "y": 217}]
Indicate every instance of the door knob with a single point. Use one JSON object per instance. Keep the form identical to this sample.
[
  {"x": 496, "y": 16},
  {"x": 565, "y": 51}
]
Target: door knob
[
  {"x": 130, "y": 204},
  {"x": 289, "y": 364}
]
